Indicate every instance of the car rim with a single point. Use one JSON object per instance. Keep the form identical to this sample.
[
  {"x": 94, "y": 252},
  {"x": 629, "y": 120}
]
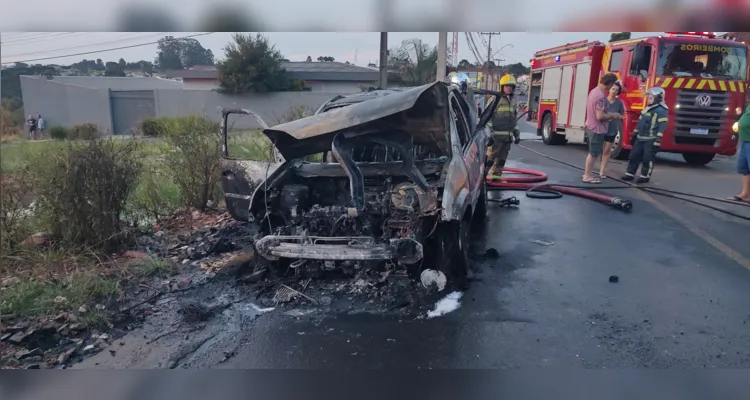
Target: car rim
[
  {"x": 616, "y": 143},
  {"x": 546, "y": 130}
]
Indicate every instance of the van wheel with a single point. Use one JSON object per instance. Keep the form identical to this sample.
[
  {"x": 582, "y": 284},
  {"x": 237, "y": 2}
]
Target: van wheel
[
  {"x": 549, "y": 136},
  {"x": 698, "y": 159},
  {"x": 618, "y": 153},
  {"x": 454, "y": 257}
]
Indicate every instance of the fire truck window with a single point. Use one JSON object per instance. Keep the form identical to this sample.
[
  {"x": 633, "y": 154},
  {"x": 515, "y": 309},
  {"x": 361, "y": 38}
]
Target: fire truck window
[
  {"x": 641, "y": 62},
  {"x": 705, "y": 61},
  {"x": 615, "y": 61}
]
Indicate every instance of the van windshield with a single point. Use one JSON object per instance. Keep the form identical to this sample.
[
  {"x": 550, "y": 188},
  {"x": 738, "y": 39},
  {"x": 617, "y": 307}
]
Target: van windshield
[{"x": 702, "y": 60}]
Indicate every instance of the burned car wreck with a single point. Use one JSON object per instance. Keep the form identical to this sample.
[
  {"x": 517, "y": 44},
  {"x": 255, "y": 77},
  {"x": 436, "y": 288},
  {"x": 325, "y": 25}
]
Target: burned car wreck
[{"x": 401, "y": 179}]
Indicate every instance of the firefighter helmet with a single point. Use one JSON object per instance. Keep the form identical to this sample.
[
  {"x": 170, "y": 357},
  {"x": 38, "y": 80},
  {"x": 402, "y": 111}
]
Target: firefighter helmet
[
  {"x": 507, "y": 79},
  {"x": 657, "y": 93}
]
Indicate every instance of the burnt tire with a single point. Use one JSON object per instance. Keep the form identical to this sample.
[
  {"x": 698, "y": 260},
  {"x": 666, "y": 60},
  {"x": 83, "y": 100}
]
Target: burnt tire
[
  {"x": 549, "y": 135},
  {"x": 698, "y": 159},
  {"x": 480, "y": 212},
  {"x": 454, "y": 252}
]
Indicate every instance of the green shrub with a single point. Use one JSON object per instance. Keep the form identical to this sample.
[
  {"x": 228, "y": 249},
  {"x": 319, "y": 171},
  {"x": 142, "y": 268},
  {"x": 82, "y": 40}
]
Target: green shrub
[
  {"x": 82, "y": 191},
  {"x": 85, "y": 131},
  {"x": 151, "y": 127},
  {"x": 15, "y": 198},
  {"x": 58, "y": 132},
  {"x": 155, "y": 196},
  {"x": 194, "y": 159}
]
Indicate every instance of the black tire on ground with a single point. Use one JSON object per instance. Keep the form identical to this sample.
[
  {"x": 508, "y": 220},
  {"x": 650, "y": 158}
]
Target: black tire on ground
[
  {"x": 698, "y": 158},
  {"x": 549, "y": 135},
  {"x": 454, "y": 252},
  {"x": 618, "y": 153}
]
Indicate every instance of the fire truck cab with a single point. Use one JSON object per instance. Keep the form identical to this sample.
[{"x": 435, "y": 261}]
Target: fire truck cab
[{"x": 705, "y": 80}]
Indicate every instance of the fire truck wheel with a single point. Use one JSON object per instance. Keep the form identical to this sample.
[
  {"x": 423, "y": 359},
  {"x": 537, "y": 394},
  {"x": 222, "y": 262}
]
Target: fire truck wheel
[
  {"x": 698, "y": 158},
  {"x": 549, "y": 136}
]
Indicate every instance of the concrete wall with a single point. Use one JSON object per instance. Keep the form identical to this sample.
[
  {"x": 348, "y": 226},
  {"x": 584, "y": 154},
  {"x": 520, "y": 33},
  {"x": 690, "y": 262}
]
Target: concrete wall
[
  {"x": 270, "y": 106},
  {"x": 315, "y": 86},
  {"x": 118, "y": 83},
  {"x": 63, "y": 104},
  {"x": 67, "y": 104},
  {"x": 337, "y": 86},
  {"x": 200, "y": 84}
]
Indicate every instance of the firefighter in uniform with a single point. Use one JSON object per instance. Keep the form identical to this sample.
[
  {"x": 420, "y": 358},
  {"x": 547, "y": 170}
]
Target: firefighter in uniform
[
  {"x": 504, "y": 126},
  {"x": 646, "y": 139}
]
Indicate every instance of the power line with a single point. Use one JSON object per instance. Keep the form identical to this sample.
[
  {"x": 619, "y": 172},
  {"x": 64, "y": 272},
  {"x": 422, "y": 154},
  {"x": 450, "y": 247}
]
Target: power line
[
  {"x": 29, "y": 35},
  {"x": 91, "y": 44},
  {"x": 105, "y": 50},
  {"x": 41, "y": 38}
]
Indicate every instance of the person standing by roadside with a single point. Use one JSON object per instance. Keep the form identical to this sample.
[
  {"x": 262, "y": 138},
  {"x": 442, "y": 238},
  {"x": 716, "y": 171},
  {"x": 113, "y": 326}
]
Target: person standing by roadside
[
  {"x": 597, "y": 123},
  {"x": 743, "y": 157},
  {"x": 615, "y": 106},
  {"x": 504, "y": 127},
  {"x": 31, "y": 123},
  {"x": 646, "y": 139},
  {"x": 40, "y": 125}
]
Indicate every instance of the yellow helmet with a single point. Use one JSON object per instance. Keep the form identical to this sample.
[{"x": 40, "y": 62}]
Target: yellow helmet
[{"x": 507, "y": 79}]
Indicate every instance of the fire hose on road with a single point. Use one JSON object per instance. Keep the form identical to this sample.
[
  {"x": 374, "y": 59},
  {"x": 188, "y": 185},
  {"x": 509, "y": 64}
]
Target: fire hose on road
[{"x": 530, "y": 184}]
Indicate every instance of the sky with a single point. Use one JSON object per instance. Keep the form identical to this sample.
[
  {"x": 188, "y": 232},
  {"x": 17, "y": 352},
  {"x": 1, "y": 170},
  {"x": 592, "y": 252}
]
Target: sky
[{"x": 359, "y": 48}]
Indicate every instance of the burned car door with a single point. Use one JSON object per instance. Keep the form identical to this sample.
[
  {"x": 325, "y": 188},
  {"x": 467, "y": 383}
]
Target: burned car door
[
  {"x": 460, "y": 184},
  {"x": 241, "y": 176}
]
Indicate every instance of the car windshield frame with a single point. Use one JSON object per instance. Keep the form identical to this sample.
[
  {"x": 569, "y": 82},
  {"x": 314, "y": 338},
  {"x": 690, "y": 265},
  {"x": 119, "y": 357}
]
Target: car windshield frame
[{"x": 737, "y": 55}]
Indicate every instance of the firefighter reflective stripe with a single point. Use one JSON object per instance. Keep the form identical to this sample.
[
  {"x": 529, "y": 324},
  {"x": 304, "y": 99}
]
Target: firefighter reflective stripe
[
  {"x": 502, "y": 108},
  {"x": 701, "y": 84},
  {"x": 659, "y": 134},
  {"x": 661, "y": 120}
]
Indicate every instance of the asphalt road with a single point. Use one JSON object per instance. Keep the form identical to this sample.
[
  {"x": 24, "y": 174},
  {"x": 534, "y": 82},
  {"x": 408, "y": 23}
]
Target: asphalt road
[{"x": 682, "y": 299}]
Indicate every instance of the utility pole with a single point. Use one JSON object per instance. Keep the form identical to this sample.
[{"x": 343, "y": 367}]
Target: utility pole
[
  {"x": 441, "y": 56},
  {"x": 489, "y": 57},
  {"x": 383, "y": 60}
]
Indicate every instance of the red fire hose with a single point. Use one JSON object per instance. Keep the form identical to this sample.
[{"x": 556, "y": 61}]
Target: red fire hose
[{"x": 550, "y": 191}]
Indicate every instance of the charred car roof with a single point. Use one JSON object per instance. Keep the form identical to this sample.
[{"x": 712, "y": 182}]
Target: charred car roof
[{"x": 421, "y": 111}]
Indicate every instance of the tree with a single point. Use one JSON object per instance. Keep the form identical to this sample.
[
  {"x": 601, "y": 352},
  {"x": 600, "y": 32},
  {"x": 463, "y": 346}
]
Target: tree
[
  {"x": 192, "y": 53},
  {"x": 619, "y": 36},
  {"x": 464, "y": 64},
  {"x": 169, "y": 55},
  {"x": 122, "y": 64},
  {"x": 412, "y": 64},
  {"x": 326, "y": 59},
  {"x": 99, "y": 65},
  {"x": 182, "y": 53},
  {"x": 252, "y": 64},
  {"x": 309, "y": 59},
  {"x": 517, "y": 69},
  {"x": 113, "y": 69}
]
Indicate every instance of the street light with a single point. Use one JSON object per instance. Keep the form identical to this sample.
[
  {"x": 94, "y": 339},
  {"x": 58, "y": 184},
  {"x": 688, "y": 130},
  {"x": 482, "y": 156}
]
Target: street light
[{"x": 501, "y": 49}]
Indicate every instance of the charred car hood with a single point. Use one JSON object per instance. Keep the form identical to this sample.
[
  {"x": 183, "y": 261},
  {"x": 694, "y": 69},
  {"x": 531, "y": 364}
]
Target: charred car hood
[{"x": 421, "y": 111}]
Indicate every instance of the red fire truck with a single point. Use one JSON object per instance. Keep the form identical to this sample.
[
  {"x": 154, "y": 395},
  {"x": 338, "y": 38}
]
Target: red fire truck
[{"x": 705, "y": 80}]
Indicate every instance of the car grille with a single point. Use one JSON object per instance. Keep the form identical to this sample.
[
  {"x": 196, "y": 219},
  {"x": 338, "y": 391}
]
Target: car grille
[{"x": 691, "y": 115}]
